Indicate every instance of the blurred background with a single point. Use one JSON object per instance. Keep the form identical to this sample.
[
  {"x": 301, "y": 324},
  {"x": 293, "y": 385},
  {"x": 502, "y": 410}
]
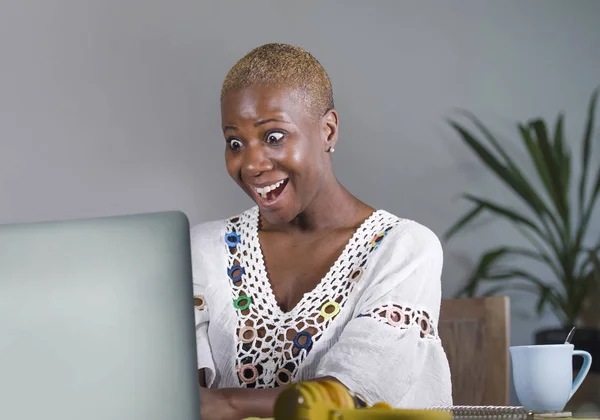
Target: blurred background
[{"x": 110, "y": 107}]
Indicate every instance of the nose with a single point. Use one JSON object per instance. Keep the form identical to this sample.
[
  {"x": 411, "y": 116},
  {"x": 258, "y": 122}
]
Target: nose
[{"x": 256, "y": 161}]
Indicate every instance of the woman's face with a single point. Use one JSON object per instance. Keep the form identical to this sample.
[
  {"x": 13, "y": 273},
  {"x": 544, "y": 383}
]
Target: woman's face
[{"x": 276, "y": 150}]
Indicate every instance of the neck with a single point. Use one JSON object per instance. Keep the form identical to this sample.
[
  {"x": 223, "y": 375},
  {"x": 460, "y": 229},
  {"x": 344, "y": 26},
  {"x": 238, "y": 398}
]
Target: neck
[{"x": 333, "y": 207}]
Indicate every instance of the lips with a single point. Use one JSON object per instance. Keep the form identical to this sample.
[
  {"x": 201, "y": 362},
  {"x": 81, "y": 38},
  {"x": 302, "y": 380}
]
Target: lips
[
  {"x": 271, "y": 188},
  {"x": 269, "y": 195}
]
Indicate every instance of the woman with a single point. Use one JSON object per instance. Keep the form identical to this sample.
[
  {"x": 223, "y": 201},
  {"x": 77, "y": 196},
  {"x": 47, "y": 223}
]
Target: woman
[{"x": 311, "y": 282}]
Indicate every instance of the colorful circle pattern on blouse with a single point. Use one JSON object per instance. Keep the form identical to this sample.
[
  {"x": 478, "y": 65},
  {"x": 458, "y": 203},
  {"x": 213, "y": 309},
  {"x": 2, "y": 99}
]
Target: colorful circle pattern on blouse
[
  {"x": 425, "y": 325},
  {"x": 235, "y": 273},
  {"x": 330, "y": 309},
  {"x": 283, "y": 377},
  {"x": 232, "y": 239},
  {"x": 308, "y": 342},
  {"x": 404, "y": 318},
  {"x": 253, "y": 349},
  {"x": 199, "y": 302},
  {"x": 377, "y": 239},
  {"x": 242, "y": 303},
  {"x": 394, "y": 316},
  {"x": 248, "y": 373},
  {"x": 356, "y": 274},
  {"x": 247, "y": 334}
]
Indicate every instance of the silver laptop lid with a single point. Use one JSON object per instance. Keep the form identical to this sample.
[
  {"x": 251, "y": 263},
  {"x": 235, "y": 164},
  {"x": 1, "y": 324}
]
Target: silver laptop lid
[{"x": 97, "y": 321}]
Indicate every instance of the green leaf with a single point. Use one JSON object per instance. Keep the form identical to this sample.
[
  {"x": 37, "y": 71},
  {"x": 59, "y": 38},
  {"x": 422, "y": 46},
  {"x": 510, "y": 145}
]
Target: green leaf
[
  {"x": 546, "y": 294},
  {"x": 516, "y": 273},
  {"x": 492, "y": 139},
  {"x": 559, "y": 144},
  {"x": 592, "y": 202},
  {"x": 539, "y": 256},
  {"x": 566, "y": 174},
  {"x": 462, "y": 222},
  {"x": 532, "y": 198},
  {"x": 505, "y": 212},
  {"x": 588, "y": 211},
  {"x": 595, "y": 262},
  {"x": 494, "y": 290},
  {"x": 563, "y": 157},
  {"x": 511, "y": 175},
  {"x": 486, "y": 261},
  {"x": 554, "y": 168},
  {"x": 525, "y": 288},
  {"x": 587, "y": 264},
  {"x": 537, "y": 159},
  {"x": 586, "y": 149},
  {"x": 484, "y": 271},
  {"x": 587, "y": 280},
  {"x": 497, "y": 167},
  {"x": 544, "y": 174}
]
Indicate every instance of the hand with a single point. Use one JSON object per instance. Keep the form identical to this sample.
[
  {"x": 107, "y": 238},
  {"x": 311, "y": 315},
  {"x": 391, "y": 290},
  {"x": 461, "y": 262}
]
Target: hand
[{"x": 214, "y": 405}]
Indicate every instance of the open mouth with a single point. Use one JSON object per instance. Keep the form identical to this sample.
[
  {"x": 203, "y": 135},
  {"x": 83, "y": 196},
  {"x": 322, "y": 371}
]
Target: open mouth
[{"x": 271, "y": 192}]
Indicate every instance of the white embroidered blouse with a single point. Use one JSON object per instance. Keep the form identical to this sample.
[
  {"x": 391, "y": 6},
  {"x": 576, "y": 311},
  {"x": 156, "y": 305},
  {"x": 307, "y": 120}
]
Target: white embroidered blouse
[{"x": 371, "y": 322}]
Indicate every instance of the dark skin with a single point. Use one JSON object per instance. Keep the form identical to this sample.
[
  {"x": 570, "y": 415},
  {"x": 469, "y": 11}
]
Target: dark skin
[{"x": 271, "y": 136}]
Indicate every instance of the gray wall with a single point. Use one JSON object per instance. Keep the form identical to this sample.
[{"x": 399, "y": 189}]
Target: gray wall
[{"x": 111, "y": 106}]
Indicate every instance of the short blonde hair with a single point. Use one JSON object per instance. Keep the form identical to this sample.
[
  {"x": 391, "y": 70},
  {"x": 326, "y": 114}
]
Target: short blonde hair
[{"x": 283, "y": 65}]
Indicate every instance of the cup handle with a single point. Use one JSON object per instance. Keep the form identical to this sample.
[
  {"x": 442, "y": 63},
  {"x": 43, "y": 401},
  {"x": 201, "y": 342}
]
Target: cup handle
[{"x": 587, "y": 363}]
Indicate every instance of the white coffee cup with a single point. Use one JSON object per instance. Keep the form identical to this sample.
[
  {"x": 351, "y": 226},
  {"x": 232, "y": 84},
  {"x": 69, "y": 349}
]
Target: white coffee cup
[{"x": 543, "y": 375}]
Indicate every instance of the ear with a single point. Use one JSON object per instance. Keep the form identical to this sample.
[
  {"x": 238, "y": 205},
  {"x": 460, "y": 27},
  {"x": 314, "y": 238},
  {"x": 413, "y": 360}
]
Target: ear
[{"x": 330, "y": 129}]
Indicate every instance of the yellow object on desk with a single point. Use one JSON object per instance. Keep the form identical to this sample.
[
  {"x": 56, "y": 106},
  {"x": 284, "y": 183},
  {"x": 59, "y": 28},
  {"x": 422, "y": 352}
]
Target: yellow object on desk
[{"x": 330, "y": 400}]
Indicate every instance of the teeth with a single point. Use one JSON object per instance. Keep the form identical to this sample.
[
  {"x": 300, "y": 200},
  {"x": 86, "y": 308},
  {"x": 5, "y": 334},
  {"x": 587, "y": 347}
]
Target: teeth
[{"x": 265, "y": 190}]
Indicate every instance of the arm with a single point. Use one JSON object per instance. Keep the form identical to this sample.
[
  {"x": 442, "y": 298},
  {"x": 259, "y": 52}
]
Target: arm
[
  {"x": 238, "y": 403},
  {"x": 203, "y": 238},
  {"x": 201, "y": 378},
  {"x": 390, "y": 351}
]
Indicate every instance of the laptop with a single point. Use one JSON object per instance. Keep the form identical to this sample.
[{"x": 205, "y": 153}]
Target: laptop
[{"x": 97, "y": 320}]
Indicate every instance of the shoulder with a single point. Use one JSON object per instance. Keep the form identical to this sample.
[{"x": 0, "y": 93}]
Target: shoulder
[
  {"x": 406, "y": 268},
  {"x": 209, "y": 236},
  {"x": 411, "y": 239},
  {"x": 410, "y": 256},
  {"x": 208, "y": 248}
]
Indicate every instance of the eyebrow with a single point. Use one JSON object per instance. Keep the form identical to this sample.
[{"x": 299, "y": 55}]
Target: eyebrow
[
  {"x": 257, "y": 124},
  {"x": 261, "y": 122}
]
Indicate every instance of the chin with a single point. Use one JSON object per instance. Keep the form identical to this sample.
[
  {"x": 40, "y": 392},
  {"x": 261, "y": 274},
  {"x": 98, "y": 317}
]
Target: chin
[{"x": 277, "y": 216}]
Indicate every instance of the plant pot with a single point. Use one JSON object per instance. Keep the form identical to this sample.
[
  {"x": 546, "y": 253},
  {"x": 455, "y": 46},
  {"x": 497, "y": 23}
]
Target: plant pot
[{"x": 587, "y": 339}]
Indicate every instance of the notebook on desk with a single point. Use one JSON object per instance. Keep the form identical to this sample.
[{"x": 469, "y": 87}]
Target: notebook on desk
[
  {"x": 485, "y": 412},
  {"x": 499, "y": 412},
  {"x": 481, "y": 412}
]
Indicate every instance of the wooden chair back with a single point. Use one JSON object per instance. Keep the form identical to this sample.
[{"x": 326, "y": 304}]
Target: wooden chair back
[{"x": 475, "y": 333}]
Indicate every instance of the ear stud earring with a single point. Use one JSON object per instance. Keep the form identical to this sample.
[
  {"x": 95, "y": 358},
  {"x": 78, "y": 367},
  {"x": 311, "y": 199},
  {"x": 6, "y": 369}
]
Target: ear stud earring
[{"x": 330, "y": 150}]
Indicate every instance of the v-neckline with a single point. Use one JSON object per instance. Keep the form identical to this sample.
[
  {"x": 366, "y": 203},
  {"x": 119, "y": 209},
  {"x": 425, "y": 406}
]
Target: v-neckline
[{"x": 262, "y": 268}]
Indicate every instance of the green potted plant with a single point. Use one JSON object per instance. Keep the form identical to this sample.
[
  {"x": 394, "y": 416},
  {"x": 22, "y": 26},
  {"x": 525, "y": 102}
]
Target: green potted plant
[{"x": 555, "y": 219}]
